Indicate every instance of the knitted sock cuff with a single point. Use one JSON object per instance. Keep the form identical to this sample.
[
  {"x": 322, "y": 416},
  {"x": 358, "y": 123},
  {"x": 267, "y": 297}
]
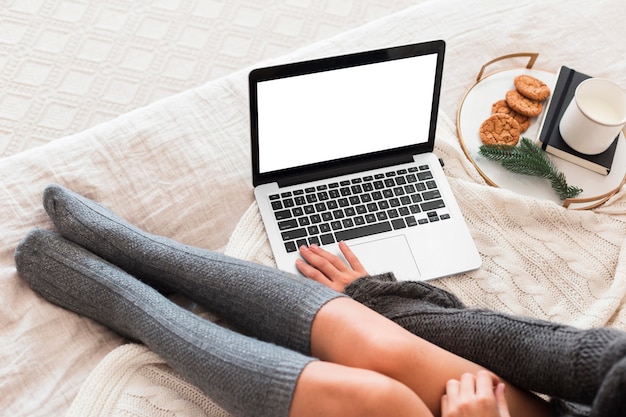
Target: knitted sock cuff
[{"x": 376, "y": 287}]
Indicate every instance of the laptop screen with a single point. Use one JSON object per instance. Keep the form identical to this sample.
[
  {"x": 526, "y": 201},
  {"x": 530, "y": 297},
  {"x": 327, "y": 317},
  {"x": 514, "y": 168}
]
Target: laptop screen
[{"x": 311, "y": 118}]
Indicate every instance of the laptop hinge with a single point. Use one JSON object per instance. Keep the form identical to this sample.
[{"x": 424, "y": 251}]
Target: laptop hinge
[{"x": 319, "y": 174}]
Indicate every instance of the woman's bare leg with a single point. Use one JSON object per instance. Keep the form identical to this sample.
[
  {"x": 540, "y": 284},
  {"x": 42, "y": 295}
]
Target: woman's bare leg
[
  {"x": 348, "y": 333},
  {"x": 331, "y": 390}
]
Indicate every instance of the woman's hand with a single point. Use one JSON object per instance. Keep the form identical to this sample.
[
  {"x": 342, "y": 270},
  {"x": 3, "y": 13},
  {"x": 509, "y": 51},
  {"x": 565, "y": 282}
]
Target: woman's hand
[
  {"x": 329, "y": 269},
  {"x": 480, "y": 395}
]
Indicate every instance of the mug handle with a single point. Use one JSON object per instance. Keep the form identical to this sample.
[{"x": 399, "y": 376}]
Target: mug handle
[{"x": 532, "y": 57}]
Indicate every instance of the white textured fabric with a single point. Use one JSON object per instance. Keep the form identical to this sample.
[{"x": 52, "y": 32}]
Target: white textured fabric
[
  {"x": 180, "y": 167},
  {"x": 66, "y": 65},
  {"x": 133, "y": 381}
]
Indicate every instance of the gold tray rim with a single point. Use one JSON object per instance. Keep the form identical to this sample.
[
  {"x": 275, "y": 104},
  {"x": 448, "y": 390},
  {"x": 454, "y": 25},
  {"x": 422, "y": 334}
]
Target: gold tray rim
[{"x": 595, "y": 201}]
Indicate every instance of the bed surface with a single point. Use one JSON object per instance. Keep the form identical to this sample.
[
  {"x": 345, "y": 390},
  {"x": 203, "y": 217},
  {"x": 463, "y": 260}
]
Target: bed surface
[
  {"x": 179, "y": 166},
  {"x": 67, "y": 65}
]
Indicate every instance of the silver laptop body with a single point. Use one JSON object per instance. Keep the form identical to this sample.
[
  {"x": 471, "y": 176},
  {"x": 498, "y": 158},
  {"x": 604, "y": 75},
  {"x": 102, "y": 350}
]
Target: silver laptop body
[{"x": 342, "y": 150}]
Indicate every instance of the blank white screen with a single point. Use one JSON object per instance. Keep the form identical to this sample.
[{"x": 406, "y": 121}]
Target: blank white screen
[{"x": 335, "y": 114}]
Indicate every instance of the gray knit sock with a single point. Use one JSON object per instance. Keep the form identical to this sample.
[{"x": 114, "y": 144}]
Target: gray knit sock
[
  {"x": 282, "y": 304},
  {"x": 562, "y": 361},
  {"x": 243, "y": 375},
  {"x": 611, "y": 398},
  {"x": 559, "y": 408}
]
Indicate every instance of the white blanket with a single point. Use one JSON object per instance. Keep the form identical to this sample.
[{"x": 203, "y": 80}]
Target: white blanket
[
  {"x": 67, "y": 65},
  {"x": 180, "y": 167}
]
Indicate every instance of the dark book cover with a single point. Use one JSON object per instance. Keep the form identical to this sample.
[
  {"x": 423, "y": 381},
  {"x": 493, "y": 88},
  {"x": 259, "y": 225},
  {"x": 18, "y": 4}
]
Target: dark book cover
[{"x": 549, "y": 135}]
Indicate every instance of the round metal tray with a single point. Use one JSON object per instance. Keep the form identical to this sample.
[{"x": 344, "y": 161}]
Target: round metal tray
[{"x": 476, "y": 107}]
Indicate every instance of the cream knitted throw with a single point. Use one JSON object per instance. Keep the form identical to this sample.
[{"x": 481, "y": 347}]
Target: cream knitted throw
[{"x": 539, "y": 260}]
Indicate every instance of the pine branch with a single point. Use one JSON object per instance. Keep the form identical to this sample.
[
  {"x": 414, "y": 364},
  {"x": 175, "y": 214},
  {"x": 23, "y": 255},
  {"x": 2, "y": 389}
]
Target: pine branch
[{"x": 529, "y": 159}]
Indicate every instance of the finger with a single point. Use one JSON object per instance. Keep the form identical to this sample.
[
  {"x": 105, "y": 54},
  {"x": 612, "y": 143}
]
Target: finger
[
  {"x": 503, "y": 406},
  {"x": 311, "y": 272},
  {"x": 485, "y": 384},
  {"x": 334, "y": 260},
  {"x": 352, "y": 259},
  {"x": 315, "y": 258},
  {"x": 452, "y": 391},
  {"x": 495, "y": 379},
  {"x": 329, "y": 264},
  {"x": 444, "y": 405},
  {"x": 468, "y": 386}
]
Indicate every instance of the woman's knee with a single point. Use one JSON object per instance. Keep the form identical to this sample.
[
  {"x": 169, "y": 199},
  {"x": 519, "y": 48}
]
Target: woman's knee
[
  {"x": 334, "y": 390},
  {"x": 349, "y": 333}
]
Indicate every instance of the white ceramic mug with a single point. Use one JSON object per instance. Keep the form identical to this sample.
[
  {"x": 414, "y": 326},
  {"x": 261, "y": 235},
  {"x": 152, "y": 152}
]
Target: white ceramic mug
[{"x": 594, "y": 117}]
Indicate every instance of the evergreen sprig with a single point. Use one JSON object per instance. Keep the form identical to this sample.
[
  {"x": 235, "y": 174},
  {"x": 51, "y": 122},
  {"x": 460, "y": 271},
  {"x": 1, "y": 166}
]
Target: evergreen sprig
[{"x": 529, "y": 159}]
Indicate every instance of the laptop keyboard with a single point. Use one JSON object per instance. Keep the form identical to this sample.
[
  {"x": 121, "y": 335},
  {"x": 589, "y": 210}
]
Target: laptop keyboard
[{"x": 364, "y": 206}]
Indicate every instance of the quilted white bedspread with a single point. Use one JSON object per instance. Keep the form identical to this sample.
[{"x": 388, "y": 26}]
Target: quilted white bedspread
[{"x": 180, "y": 167}]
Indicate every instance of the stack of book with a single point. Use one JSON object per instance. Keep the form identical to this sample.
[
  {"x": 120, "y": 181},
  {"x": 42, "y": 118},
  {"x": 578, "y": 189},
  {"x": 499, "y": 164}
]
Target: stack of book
[{"x": 549, "y": 135}]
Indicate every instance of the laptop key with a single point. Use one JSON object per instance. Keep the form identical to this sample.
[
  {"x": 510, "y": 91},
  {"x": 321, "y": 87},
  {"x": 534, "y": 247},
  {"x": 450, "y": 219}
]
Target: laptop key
[
  {"x": 398, "y": 224},
  {"x": 432, "y": 205},
  {"x": 362, "y": 231},
  {"x": 431, "y": 195},
  {"x": 294, "y": 234},
  {"x": 288, "y": 224},
  {"x": 282, "y": 215},
  {"x": 425, "y": 175},
  {"x": 327, "y": 239},
  {"x": 290, "y": 247}
]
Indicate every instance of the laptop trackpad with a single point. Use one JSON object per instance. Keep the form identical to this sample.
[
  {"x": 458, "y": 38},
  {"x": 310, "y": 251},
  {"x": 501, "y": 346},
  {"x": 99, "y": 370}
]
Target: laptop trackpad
[{"x": 390, "y": 254}]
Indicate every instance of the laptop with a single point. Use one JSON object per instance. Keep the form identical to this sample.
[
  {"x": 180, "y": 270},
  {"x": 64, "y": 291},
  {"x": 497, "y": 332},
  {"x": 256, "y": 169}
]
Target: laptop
[{"x": 342, "y": 150}]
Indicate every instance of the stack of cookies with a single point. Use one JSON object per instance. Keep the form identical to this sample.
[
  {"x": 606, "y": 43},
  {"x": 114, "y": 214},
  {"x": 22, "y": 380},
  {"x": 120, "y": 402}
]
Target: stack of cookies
[{"x": 512, "y": 116}]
